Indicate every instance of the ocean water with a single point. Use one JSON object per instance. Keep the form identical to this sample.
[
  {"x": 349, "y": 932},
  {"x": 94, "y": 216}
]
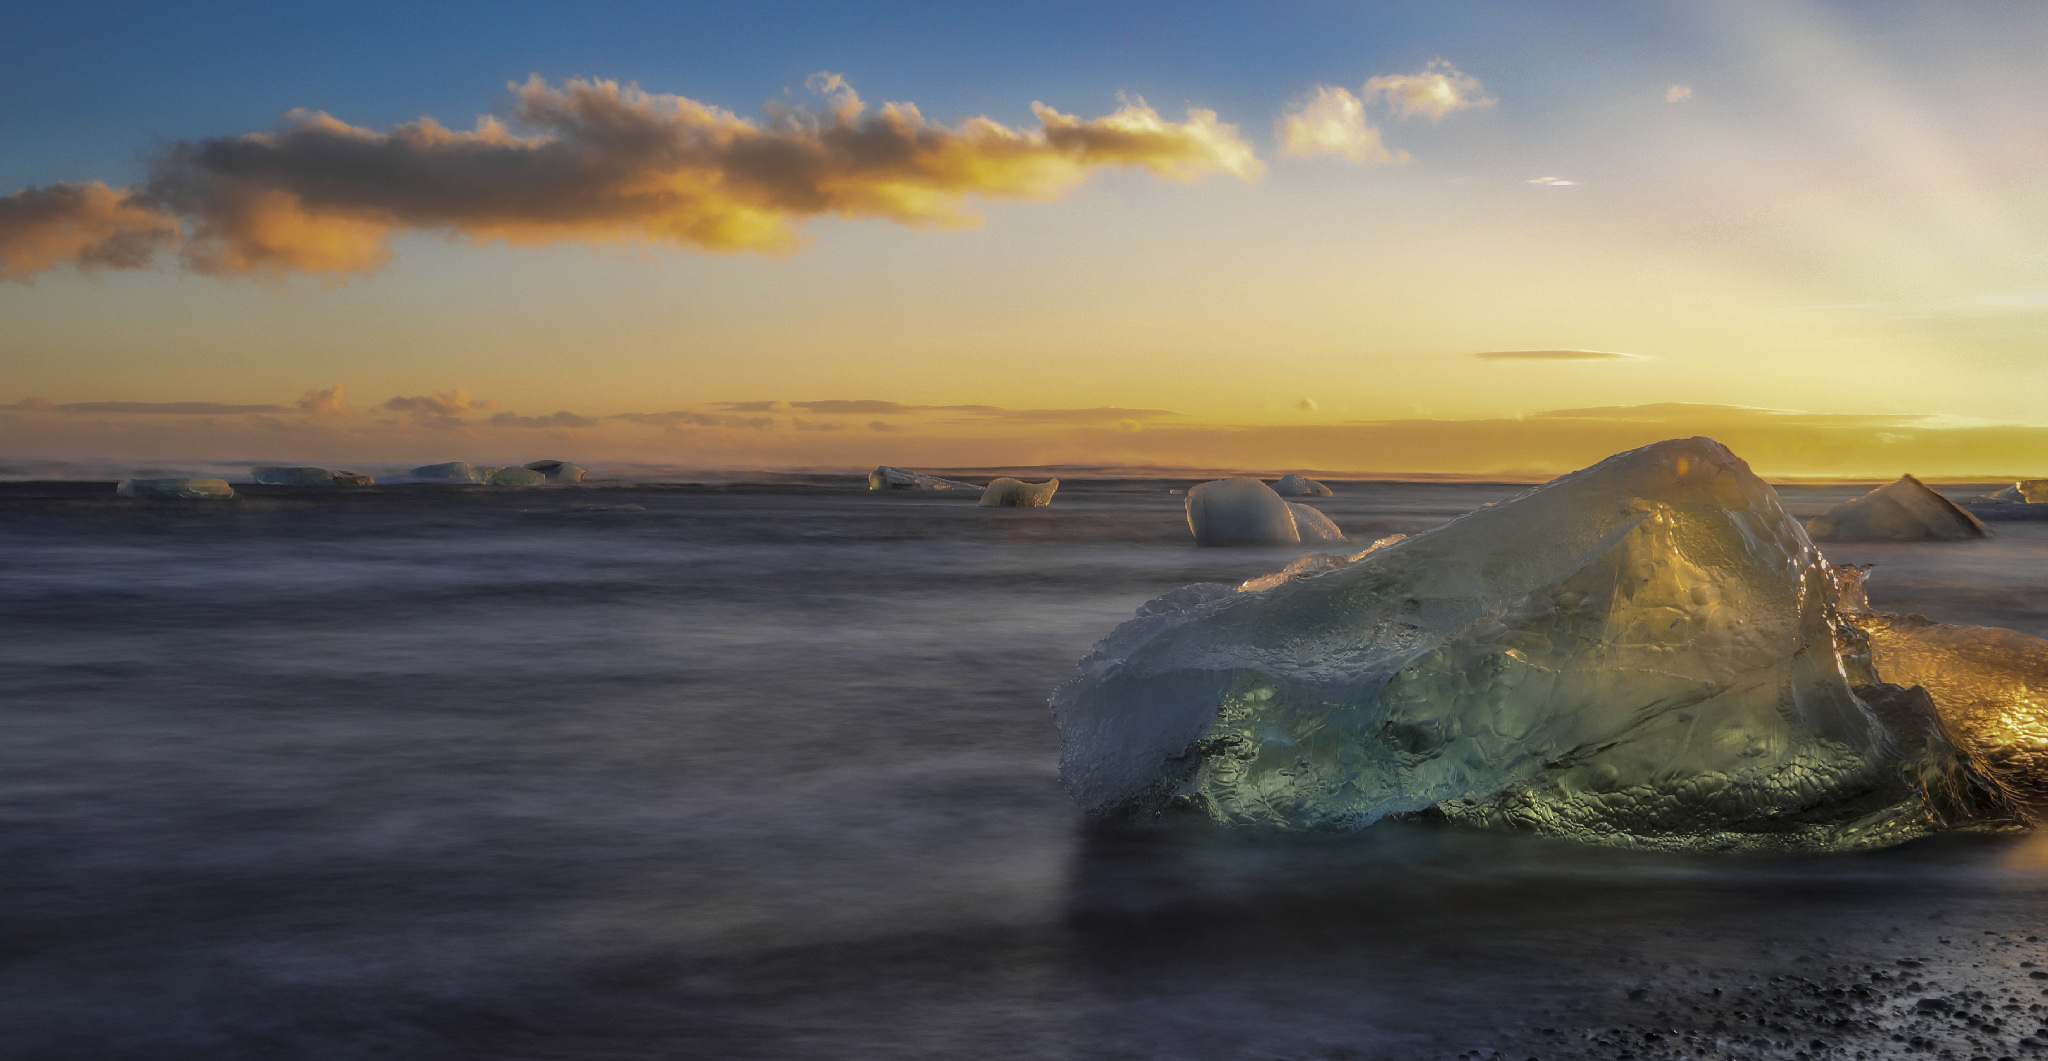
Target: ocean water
[{"x": 668, "y": 772}]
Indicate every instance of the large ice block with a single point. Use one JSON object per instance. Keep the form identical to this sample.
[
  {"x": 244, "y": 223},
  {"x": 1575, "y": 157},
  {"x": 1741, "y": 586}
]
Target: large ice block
[
  {"x": 1641, "y": 653},
  {"x": 1005, "y": 492},
  {"x": 1989, "y": 685},
  {"x": 456, "y": 471},
  {"x": 1240, "y": 511},
  {"x": 514, "y": 477},
  {"x": 1903, "y": 511}
]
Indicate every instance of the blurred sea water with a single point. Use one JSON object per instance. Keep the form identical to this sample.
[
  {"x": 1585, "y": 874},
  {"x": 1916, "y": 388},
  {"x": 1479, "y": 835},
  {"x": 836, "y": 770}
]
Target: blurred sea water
[{"x": 647, "y": 771}]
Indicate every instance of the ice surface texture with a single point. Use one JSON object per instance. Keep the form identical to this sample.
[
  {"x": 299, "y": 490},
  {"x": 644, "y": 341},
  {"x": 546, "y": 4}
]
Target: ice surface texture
[
  {"x": 1904, "y": 511},
  {"x": 1313, "y": 526},
  {"x": 1300, "y": 486},
  {"x": 1988, "y": 685},
  {"x": 887, "y": 477},
  {"x": 1641, "y": 653},
  {"x": 186, "y": 489},
  {"x": 1005, "y": 492},
  {"x": 453, "y": 470},
  {"x": 1241, "y": 511}
]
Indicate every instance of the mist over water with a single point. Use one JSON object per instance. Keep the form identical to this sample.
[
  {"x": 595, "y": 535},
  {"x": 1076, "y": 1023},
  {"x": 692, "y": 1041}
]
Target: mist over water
[{"x": 769, "y": 774}]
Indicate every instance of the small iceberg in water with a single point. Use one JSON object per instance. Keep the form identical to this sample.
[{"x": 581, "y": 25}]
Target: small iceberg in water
[
  {"x": 558, "y": 471},
  {"x": 1904, "y": 511},
  {"x": 1300, "y": 486},
  {"x": 182, "y": 489},
  {"x": 889, "y": 477},
  {"x": 1245, "y": 511},
  {"x": 1645, "y": 653},
  {"x": 1005, "y": 492}
]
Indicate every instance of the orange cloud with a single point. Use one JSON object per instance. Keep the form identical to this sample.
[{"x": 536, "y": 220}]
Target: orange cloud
[
  {"x": 87, "y": 225},
  {"x": 592, "y": 162},
  {"x": 329, "y": 402},
  {"x": 451, "y": 404}
]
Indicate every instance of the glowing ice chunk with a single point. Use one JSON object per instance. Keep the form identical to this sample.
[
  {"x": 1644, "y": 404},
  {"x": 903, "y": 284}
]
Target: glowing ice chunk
[
  {"x": 1640, "y": 653},
  {"x": 459, "y": 471},
  {"x": 1904, "y": 511},
  {"x": 514, "y": 477},
  {"x": 1005, "y": 492},
  {"x": 1240, "y": 512},
  {"x": 1312, "y": 525}
]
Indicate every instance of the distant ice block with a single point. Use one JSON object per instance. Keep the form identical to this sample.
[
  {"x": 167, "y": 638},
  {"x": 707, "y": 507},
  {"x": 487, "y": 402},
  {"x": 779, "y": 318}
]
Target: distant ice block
[
  {"x": 2011, "y": 494},
  {"x": 1904, "y": 511},
  {"x": 1300, "y": 486},
  {"x": 887, "y": 477},
  {"x": 352, "y": 479},
  {"x": 558, "y": 471},
  {"x": 2032, "y": 491},
  {"x": 1312, "y": 525},
  {"x": 280, "y": 475},
  {"x": 1240, "y": 511},
  {"x": 457, "y": 471},
  {"x": 187, "y": 489},
  {"x": 514, "y": 477},
  {"x": 1642, "y": 653},
  {"x": 1005, "y": 492}
]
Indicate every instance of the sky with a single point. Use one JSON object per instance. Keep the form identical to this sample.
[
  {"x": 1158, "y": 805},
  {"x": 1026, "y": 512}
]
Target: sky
[{"x": 1454, "y": 238}]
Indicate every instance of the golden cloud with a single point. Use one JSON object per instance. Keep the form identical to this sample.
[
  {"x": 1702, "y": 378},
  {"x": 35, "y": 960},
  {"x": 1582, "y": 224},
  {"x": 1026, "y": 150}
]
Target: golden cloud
[
  {"x": 1438, "y": 90},
  {"x": 592, "y": 162},
  {"x": 88, "y": 225},
  {"x": 1331, "y": 121}
]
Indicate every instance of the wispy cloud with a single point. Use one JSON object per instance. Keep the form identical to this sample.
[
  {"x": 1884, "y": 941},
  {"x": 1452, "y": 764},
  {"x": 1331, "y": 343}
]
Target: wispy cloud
[
  {"x": 1332, "y": 121},
  {"x": 684, "y": 418},
  {"x": 1678, "y": 93},
  {"x": 560, "y": 419},
  {"x": 1555, "y": 182},
  {"x": 875, "y": 407},
  {"x": 329, "y": 402},
  {"x": 586, "y": 161},
  {"x": 441, "y": 404},
  {"x": 1438, "y": 90},
  {"x": 1556, "y": 355},
  {"x": 150, "y": 408}
]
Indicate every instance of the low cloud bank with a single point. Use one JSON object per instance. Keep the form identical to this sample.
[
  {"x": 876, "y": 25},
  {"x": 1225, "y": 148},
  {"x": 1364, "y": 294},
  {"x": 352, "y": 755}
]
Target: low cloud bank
[
  {"x": 847, "y": 433},
  {"x": 584, "y": 161}
]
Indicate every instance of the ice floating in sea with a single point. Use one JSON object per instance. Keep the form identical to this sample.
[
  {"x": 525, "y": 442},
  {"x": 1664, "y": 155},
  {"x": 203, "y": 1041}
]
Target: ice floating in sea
[
  {"x": 887, "y": 477},
  {"x": 352, "y": 479},
  {"x": 279, "y": 475},
  {"x": 1005, "y": 492},
  {"x": 1904, "y": 511},
  {"x": 185, "y": 489},
  {"x": 558, "y": 471},
  {"x": 457, "y": 471},
  {"x": 1645, "y": 653},
  {"x": 1312, "y": 525},
  {"x": 1300, "y": 486},
  {"x": 1240, "y": 511},
  {"x": 514, "y": 477}
]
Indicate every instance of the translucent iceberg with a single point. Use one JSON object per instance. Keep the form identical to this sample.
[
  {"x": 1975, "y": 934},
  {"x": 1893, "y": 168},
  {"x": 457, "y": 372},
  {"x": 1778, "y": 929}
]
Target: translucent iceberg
[
  {"x": 1240, "y": 511},
  {"x": 888, "y": 477},
  {"x": 184, "y": 489},
  {"x": 558, "y": 471},
  {"x": 2032, "y": 491},
  {"x": 1904, "y": 511},
  {"x": 459, "y": 471},
  {"x": 1005, "y": 492},
  {"x": 352, "y": 479},
  {"x": 1300, "y": 486},
  {"x": 1641, "y": 653},
  {"x": 1312, "y": 525},
  {"x": 279, "y": 475},
  {"x": 1989, "y": 686},
  {"x": 514, "y": 477}
]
